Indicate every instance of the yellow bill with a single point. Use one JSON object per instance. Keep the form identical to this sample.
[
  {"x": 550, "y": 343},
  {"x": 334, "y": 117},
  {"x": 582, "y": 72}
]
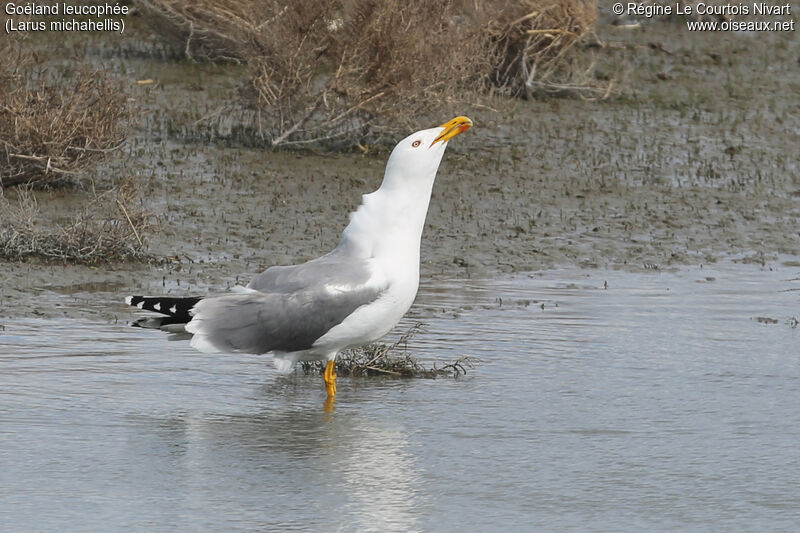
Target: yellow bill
[{"x": 453, "y": 128}]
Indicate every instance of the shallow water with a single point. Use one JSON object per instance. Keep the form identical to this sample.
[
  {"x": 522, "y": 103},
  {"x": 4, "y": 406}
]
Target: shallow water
[{"x": 661, "y": 402}]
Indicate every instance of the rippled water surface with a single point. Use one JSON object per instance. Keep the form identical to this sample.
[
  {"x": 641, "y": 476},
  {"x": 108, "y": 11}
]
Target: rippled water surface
[{"x": 666, "y": 401}]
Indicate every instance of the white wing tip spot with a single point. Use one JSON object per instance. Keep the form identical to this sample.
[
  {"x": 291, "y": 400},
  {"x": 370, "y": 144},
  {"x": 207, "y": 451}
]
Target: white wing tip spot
[{"x": 157, "y": 307}]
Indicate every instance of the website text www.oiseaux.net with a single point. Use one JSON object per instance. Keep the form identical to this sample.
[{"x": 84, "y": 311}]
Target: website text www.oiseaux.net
[
  {"x": 740, "y": 25},
  {"x": 772, "y": 17}
]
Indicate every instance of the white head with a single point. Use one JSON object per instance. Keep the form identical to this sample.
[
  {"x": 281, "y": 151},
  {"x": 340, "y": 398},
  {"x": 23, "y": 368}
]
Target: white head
[
  {"x": 400, "y": 205},
  {"x": 417, "y": 157}
]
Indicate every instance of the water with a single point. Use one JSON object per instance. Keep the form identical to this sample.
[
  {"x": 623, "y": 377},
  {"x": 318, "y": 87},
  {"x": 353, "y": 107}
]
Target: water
[{"x": 661, "y": 402}]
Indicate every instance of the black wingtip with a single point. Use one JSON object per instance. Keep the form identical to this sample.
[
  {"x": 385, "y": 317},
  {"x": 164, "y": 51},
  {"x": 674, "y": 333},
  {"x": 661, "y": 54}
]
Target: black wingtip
[{"x": 176, "y": 310}]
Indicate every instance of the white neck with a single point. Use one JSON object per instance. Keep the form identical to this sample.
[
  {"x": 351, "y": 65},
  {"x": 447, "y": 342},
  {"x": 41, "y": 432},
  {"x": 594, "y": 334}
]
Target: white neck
[{"x": 389, "y": 222}]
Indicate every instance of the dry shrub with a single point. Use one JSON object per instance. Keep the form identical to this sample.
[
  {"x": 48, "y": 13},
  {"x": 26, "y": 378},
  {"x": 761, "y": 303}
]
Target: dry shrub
[
  {"x": 324, "y": 71},
  {"x": 536, "y": 38},
  {"x": 50, "y": 130},
  {"x": 109, "y": 227},
  {"x": 394, "y": 59}
]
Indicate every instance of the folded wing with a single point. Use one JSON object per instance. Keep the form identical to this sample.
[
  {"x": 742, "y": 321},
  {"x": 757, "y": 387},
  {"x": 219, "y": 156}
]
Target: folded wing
[{"x": 286, "y": 309}]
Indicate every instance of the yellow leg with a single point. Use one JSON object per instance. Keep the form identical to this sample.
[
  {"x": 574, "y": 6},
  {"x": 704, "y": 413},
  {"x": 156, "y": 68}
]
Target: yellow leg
[{"x": 330, "y": 378}]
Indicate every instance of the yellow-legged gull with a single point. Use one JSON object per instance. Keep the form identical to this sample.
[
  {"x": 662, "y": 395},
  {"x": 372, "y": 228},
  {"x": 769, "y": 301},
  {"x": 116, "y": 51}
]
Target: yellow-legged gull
[{"x": 349, "y": 297}]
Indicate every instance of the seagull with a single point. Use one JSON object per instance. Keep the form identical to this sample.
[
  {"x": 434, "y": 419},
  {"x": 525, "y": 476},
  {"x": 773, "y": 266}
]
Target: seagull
[{"x": 349, "y": 297}]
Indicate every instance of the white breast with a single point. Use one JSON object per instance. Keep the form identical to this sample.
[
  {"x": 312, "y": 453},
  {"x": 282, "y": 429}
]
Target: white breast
[{"x": 370, "y": 322}]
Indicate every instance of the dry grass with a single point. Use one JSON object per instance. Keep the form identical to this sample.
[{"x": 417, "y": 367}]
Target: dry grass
[
  {"x": 390, "y": 361},
  {"x": 52, "y": 130},
  {"x": 345, "y": 70},
  {"x": 109, "y": 227}
]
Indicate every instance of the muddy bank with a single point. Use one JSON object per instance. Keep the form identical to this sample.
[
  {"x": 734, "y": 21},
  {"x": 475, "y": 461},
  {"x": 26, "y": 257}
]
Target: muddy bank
[{"x": 694, "y": 162}]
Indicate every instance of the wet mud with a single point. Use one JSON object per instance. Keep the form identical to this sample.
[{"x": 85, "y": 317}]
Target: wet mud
[{"x": 695, "y": 161}]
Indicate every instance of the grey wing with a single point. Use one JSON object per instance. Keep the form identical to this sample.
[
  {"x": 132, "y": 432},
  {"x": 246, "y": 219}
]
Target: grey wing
[
  {"x": 336, "y": 268},
  {"x": 256, "y": 322}
]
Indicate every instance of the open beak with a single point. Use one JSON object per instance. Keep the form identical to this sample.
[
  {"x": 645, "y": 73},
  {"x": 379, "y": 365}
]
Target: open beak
[{"x": 453, "y": 128}]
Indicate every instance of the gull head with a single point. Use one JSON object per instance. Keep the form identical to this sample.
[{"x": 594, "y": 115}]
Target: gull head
[{"x": 419, "y": 154}]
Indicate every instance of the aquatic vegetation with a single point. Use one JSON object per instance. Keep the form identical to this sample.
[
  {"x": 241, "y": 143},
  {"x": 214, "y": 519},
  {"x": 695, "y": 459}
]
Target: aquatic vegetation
[{"x": 391, "y": 360}]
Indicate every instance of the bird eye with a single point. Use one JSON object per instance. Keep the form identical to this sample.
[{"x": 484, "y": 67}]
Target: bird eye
[{"x": 416, "y": 143}]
